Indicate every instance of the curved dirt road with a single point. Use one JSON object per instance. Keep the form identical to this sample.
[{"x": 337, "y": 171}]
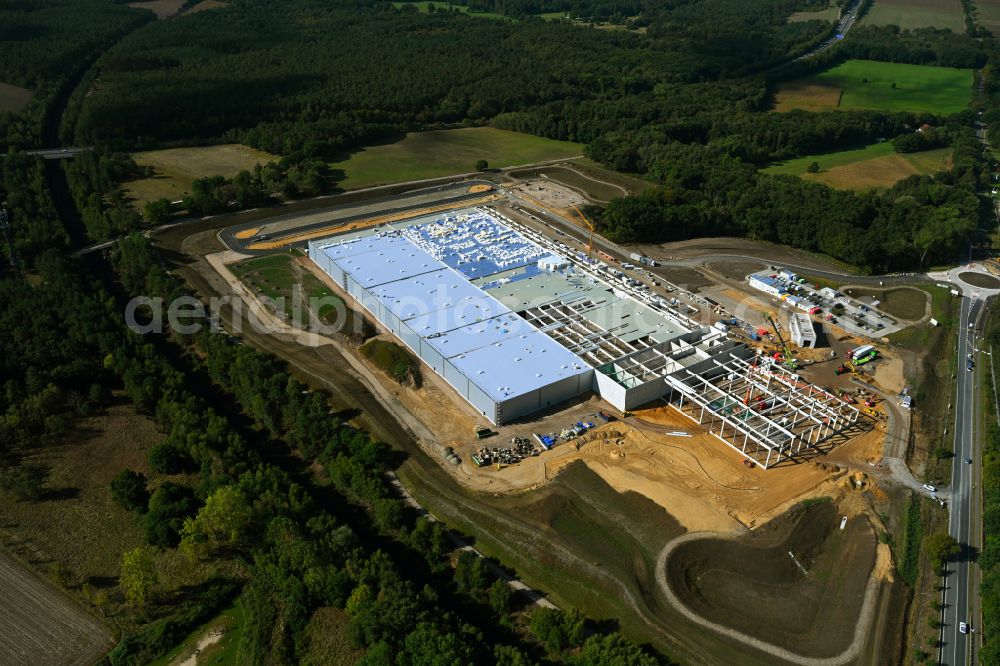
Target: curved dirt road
[{"x": 848, "y": 655}]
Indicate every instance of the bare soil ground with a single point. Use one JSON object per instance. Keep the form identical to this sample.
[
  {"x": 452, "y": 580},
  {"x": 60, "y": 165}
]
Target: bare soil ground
[
  {"x": 13, "y": 98},
  {"x": 573, "y": 178},
  {"x": 162, "y": 8},
  {"x": 754, "y": 585},
  {"x": 551, "y": 195},
  {"x": 736, "y": 270},
  {"x": 40, "y": 626}
]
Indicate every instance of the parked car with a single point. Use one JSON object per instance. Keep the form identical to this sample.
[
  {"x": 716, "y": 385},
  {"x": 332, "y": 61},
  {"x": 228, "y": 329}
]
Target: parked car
[{"x": 930, "y": 488}]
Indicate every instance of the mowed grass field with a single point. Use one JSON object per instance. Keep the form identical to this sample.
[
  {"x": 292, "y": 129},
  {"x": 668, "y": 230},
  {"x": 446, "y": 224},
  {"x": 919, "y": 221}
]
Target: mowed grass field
[
  {"x": 445, "y": 152},
  {"x": 874, "y": 167},
  {"x": 829, "y": 14},
  {"x": 987, "y": 15},
  {"x": 909, "y": 14},
  {"x": 13, "y": 98},
  {"x": 174, "y": 169},
  {"x": 884, "y": 86}
]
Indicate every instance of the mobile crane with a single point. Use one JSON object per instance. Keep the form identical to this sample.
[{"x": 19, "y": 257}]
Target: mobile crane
[{"x": 788, "y": 360}]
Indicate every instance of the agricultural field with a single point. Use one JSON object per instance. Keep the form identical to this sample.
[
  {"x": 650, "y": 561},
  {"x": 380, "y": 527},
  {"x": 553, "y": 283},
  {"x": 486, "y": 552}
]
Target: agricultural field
[
  {"x": 425, "y": 5},
  {"x": 909, "y": 14},
  {"x": 38, "y": 625},
  {"x": 987, "y": 15},
  {"x": 830, "y": 14},
  {"x": 876, "y": 166},
  {"x": 13, "y": 98},
  {"x": 445, "y": 152},
  {"x": 866, "y": 84},
  {"x": 174, "y": 169}
]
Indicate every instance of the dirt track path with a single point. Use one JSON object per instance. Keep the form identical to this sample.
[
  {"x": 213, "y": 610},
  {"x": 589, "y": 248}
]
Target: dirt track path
[
  {"x": 40, "y": 626},
  {"x": 850, "y": 654}
]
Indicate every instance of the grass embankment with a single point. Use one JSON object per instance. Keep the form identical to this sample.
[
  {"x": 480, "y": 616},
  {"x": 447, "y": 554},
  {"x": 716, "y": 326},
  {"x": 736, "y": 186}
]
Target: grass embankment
[
  {"x": 930, "y": 379},
  {"x": 902, "y": 302},
  {"x": 216, "y": 642},
  {"x": 174, "y": 169},
  {"x": 911, "y": 14},
  {"x": 877, "y": 166},
  {"x": 579, "y": 540},
  {"x": 883, "y": 86},
  {"x": 440, "y": 153},
  {"x": 294, "y": 292},
  {"x": 393, "y": 360}
]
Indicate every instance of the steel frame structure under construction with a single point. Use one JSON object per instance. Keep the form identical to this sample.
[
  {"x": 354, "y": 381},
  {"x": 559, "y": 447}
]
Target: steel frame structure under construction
[{"x": 757, "y": 407}]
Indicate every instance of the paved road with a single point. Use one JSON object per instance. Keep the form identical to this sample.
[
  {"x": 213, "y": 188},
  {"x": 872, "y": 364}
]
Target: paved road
[
  {"x": 57, "y": 153},
  {"x": 955, "y": 646},
  {"x": 847, "y": 21}
]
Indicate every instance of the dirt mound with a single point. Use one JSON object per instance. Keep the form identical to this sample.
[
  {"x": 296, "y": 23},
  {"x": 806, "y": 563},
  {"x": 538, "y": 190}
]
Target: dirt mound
[{"x": 797, "y": 582}]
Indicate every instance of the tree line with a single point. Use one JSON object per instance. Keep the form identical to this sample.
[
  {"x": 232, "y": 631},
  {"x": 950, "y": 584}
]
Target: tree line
[{"x": 703, "y": 191}]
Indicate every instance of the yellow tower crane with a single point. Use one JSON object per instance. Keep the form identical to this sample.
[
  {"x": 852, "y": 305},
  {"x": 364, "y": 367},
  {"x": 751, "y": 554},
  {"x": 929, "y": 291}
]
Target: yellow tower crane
[{"x": 590, "y": 225}]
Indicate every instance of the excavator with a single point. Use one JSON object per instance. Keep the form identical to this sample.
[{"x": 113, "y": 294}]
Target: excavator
[{"x": 787, "y": 359}]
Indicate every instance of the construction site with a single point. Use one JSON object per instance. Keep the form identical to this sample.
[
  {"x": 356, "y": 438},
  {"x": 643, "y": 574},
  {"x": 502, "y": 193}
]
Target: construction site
[
  {"x": 546, "y": 350},
  {"x": 515, "y": 324}
]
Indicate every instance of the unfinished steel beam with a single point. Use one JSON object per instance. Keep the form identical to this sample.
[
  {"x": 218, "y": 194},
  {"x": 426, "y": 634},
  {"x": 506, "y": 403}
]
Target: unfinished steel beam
[{"x": 757, "y": 407}]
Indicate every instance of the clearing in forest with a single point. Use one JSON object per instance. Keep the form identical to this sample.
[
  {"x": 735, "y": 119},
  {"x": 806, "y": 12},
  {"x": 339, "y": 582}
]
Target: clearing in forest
[
  {"x": 13, "y": 98},
  {"x": 883, "y": 86},
  {"x": 909, "y": 14},
  {"x": 425, "y": 7},
  {"x": 174, "y": 169},
  {"x": 831, "y": 13},
  {"x": 876, "y": 166},
  {"x": 162, "y": 8},
  {"x": 441, "y": 153}
]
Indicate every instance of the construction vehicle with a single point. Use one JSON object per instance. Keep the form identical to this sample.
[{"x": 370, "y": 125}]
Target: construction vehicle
[
  {"x": 590, "y": 225},
  {"x": 787, "y": 359}
]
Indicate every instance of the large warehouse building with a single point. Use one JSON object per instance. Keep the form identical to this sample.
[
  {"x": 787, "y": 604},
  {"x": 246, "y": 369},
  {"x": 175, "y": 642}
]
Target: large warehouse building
[{"x": 513, "y": 325}]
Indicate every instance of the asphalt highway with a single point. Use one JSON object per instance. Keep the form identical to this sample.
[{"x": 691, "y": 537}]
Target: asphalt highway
[
  {"x": 956, "y": 646},
  {"x": 285, "y": 225}
]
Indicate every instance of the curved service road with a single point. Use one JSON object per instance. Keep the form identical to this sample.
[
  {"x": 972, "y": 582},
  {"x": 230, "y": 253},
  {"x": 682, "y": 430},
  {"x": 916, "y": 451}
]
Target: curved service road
[{"x": 848, "y": 655}]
